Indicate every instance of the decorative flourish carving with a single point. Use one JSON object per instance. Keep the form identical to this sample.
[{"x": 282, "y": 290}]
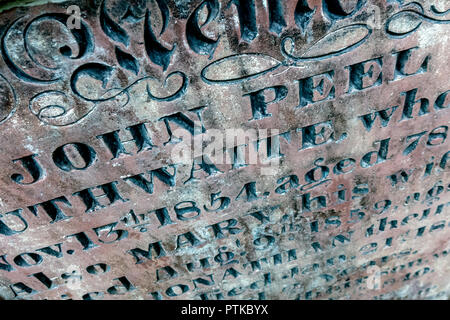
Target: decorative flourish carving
[
  {"x": 93, "y": 73},
  {"x": 230, "y": 69},
  {"x": 28, "y": 50},
  {"x": 171, "y": 94},
  {"x": 111, "y": 28},
  {"x": 156, "y": 51},
  {"x": 337, "y": 42},
  {"x": 197, "y": 40},
  {"x": 439, "y": 13},
  {"x": 7, "y": 100},
  {"x": 334, "y": 43},
  {"x": 82, "y": 38},
  {"x": 127, "y": 61},
  {"x": 69, "y": 76},
  {"x": 407, "y": 21},
  {"x": 58, "y": 108},
  {"x": 97, "y": 71}
]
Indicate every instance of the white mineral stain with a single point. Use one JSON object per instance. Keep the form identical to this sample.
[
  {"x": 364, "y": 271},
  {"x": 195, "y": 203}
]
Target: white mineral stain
[
  {"x": 31, "y": 148},
  {"x": 427, "y": 40}
]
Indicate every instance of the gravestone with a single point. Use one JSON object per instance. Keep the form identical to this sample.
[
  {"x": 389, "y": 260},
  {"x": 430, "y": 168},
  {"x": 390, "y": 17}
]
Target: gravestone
[{"x": 209, "y": 149}]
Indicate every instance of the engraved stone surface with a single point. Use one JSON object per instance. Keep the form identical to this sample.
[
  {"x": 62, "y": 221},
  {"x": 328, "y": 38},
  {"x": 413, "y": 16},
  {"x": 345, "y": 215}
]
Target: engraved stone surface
[{"x": 209, "y": 149}]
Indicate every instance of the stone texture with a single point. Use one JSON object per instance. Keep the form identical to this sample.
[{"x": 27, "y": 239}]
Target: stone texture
[{"x": 328, "y": 120}]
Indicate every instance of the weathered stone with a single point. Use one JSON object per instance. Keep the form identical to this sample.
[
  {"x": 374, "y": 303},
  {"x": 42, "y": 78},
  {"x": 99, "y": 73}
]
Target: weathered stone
[{"x": 224, "y": 150}]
